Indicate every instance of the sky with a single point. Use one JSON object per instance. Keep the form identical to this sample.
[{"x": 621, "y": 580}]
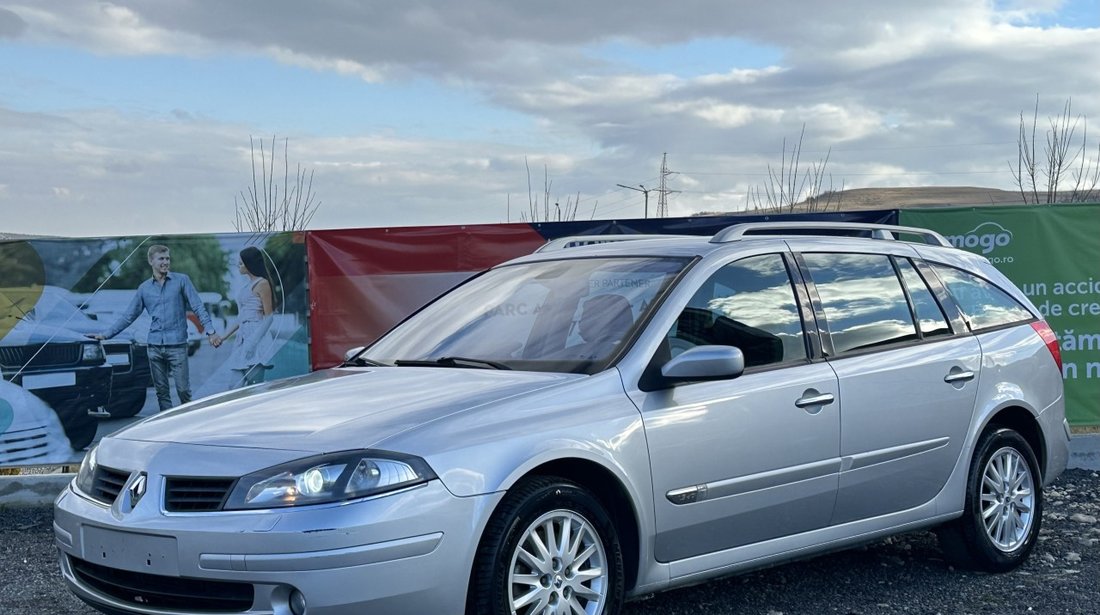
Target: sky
[{"x": 136, "y": 117}]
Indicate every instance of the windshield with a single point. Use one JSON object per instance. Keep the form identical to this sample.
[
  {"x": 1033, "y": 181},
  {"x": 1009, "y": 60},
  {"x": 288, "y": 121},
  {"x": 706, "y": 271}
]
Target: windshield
[{"x": 562, "y": 316}]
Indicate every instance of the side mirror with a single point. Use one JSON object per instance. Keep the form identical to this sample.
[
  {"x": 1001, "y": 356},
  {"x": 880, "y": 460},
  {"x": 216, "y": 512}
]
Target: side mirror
[{"x": 705, "y": 363}]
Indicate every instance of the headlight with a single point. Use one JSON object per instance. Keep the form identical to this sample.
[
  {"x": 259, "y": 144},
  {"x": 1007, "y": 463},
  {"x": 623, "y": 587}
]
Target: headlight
[
  {"x": 93, "y": 352},
  {"x": 85, "y": 478},
  {"x": 328, "y": 478}
]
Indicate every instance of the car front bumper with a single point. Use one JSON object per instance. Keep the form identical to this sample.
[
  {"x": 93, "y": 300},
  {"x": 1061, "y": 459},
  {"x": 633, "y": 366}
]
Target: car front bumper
[{"x": 406, "y": 552}]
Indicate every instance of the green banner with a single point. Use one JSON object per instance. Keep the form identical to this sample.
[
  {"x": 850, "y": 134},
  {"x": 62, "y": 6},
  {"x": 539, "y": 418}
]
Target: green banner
[{"x": 1052, "y": 253}]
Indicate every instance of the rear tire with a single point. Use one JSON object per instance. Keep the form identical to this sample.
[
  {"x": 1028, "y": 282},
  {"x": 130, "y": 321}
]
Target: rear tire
[
  {"x": 550, "y": 543},
  {"x": 1004, "y": 506}
]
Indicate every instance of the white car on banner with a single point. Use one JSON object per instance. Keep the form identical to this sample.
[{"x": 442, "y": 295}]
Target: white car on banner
[{"x": 30, "y": 432}]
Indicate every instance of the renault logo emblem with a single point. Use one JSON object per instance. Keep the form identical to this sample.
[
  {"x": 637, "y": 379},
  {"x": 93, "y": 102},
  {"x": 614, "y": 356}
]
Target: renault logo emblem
[{"x": 137, "y": 489}]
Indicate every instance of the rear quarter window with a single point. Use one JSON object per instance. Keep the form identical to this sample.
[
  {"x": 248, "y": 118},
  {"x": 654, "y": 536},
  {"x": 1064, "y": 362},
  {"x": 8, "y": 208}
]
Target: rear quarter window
[{"x": 982, "y": 303}]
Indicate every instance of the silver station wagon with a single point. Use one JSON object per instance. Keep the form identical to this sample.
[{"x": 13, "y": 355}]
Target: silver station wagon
[{"x": 594, "y": 423}]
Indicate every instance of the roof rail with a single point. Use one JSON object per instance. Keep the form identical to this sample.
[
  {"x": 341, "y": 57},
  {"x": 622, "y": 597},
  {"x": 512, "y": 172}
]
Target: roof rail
[
  {"x": 562, "y": 243},
  {"x": 878, "y": 231}
]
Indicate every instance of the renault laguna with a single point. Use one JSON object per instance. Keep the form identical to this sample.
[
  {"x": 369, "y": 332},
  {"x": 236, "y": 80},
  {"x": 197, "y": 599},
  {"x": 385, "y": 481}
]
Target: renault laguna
[{"x": 592, "y": 423}]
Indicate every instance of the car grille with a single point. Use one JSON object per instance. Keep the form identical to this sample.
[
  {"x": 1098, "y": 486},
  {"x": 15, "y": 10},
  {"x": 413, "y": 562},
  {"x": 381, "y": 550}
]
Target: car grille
[
  {"x": 195, "y": 494},
  {"x": 20, "y": 447},
  {"x": 35, "y": 355},
  {"x": 107, "y": 483},
  {"x": 161, "y": 592}
]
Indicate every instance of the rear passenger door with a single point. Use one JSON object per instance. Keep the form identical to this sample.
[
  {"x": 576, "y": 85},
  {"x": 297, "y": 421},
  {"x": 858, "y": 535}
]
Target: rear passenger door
[{"x": 907, "y": 383}]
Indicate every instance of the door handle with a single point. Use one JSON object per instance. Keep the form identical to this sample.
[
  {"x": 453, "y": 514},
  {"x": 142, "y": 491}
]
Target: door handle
[
  {"x": 959, "y": 376},
  {"x": 815, "y": 400}
]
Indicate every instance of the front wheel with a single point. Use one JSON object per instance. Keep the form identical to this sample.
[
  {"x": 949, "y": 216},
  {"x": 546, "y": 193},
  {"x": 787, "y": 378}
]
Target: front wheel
[
  {"x": 549, "y": 549},
  {"x": 125, "y": 404},
  {"x": 1004, "y": 506},
  {"x": 79, "y": 428}
]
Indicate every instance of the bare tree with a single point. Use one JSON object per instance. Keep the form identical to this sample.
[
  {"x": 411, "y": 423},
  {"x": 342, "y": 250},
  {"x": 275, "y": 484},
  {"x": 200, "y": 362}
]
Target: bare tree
[
  {"x": 543, "y": 212},
  {"x": 1062, "y": 172},
  {"x": 260, "y": 208},
  {"x": 792, "y": 188}
]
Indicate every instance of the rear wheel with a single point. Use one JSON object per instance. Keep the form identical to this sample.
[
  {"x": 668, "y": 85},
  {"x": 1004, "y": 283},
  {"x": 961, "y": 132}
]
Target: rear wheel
[
  {"x": 549, "y": 548},
  {"x": 1004, "y": 506}
]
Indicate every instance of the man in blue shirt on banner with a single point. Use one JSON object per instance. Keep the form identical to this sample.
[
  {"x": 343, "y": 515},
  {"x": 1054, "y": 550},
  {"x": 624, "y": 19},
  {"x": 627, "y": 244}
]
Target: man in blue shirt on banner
[{"x": 166, "y": 297}]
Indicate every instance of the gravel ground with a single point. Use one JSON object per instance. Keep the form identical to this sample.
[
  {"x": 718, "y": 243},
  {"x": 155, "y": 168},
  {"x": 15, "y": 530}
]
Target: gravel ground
[{"x": 904, "y": 574}]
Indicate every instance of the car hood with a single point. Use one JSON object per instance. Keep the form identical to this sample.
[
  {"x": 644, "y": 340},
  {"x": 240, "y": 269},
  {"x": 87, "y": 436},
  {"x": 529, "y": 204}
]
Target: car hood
[
  {"x": 336, "y": 409},
  {"x": 33, "y": 332}
]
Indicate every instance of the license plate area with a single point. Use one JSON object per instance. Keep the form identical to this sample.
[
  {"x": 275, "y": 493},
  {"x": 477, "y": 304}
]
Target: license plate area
[
  {"x": 49, "y": 381},
  {"x": 131, "y": 551}
]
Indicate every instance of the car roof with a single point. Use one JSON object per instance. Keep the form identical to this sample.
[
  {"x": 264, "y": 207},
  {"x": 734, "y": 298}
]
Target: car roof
[{"x": 690, "y": 246}]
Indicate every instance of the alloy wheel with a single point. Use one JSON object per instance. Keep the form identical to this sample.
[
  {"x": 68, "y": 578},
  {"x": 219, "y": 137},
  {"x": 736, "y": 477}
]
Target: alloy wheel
[
  {"x": 559, "y": 567},
  {"x": 1007, "y": 499}
]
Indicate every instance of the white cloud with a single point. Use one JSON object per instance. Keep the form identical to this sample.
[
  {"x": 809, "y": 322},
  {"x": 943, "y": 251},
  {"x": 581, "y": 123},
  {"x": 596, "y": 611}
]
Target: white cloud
[
  {"x": 901, "y": 92},
  {"x": 727, "y": 116},
  {"x": 104, "y": 28}
]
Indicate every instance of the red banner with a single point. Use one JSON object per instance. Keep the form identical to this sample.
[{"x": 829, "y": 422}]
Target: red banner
[{"x": 362, "y": 282}]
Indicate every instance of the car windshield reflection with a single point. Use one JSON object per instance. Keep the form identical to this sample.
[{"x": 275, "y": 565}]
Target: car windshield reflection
[{"x": 557, "y": 316}]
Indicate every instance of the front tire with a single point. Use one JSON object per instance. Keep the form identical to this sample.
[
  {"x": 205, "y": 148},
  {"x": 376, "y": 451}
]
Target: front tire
[
  {"x": 80, "y": 428},
  {"x": 1004, "y": 506},
  {"x": 125, "y": 404},
  {"x": 549, "y": 548}
]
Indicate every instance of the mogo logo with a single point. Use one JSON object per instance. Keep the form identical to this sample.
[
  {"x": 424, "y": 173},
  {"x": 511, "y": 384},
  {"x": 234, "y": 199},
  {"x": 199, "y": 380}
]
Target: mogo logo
[{"x": 988, "y": 236}]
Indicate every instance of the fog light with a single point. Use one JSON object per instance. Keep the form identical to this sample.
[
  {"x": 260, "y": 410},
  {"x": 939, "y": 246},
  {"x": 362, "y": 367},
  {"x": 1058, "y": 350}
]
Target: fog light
[{"x": 297, "y": 603}]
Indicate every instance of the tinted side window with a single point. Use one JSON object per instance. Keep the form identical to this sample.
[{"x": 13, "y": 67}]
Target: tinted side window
[
  {"x": 930, "y": 316},
  {"x": 984, "y": 304},
  {"x": 863, "y": 300},
  {"x": 749, "y": 304}
]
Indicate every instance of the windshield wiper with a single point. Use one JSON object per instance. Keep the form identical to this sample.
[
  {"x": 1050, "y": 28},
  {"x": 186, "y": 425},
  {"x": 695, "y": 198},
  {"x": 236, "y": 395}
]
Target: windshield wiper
[
  {"x": 360, "y": 361},
  {"x": 451, "y": 362}
]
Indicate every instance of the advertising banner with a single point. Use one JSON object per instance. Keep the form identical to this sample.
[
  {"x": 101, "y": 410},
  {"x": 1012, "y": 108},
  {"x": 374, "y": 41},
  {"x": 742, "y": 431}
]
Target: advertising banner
[
  {"x": 98, "y": 333},
  {"x": 362, "y": 282},
  {"x": 1053, "y": 254}
]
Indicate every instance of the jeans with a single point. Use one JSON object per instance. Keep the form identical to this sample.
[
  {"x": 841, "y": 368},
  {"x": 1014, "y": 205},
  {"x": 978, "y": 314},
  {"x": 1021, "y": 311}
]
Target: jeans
[{"x": 165, "y": 360}]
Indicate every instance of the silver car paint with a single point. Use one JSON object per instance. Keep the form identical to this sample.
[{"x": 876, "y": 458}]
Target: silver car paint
[
  {"x": 904, "y": 424},
  {"x": 373, "y": 555},
  {"x": 1017, "y": 368},
  {"x": 399, "y": 399},
  {"x": 947, "y": 503},
  {"x": 481, "y": 439},
  {"x": 761, "y": 466}
]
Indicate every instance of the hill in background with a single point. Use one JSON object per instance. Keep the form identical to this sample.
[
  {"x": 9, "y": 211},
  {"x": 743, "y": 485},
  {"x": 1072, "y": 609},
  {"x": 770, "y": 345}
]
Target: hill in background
[
  {"x": 934, "y": 196},
  {"x": 900, "y": 198}
]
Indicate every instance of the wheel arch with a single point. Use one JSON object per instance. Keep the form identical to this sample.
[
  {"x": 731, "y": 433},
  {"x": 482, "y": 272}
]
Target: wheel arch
[
  {"x": 611, "y": 492},
  {"x": 1024, "y": 422}
]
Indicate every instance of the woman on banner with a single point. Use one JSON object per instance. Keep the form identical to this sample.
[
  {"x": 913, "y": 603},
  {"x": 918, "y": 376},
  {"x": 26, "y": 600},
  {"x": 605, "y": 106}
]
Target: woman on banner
[
  {"x": 254, "y": 341},
  {"x": 255, "y": 305}
]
